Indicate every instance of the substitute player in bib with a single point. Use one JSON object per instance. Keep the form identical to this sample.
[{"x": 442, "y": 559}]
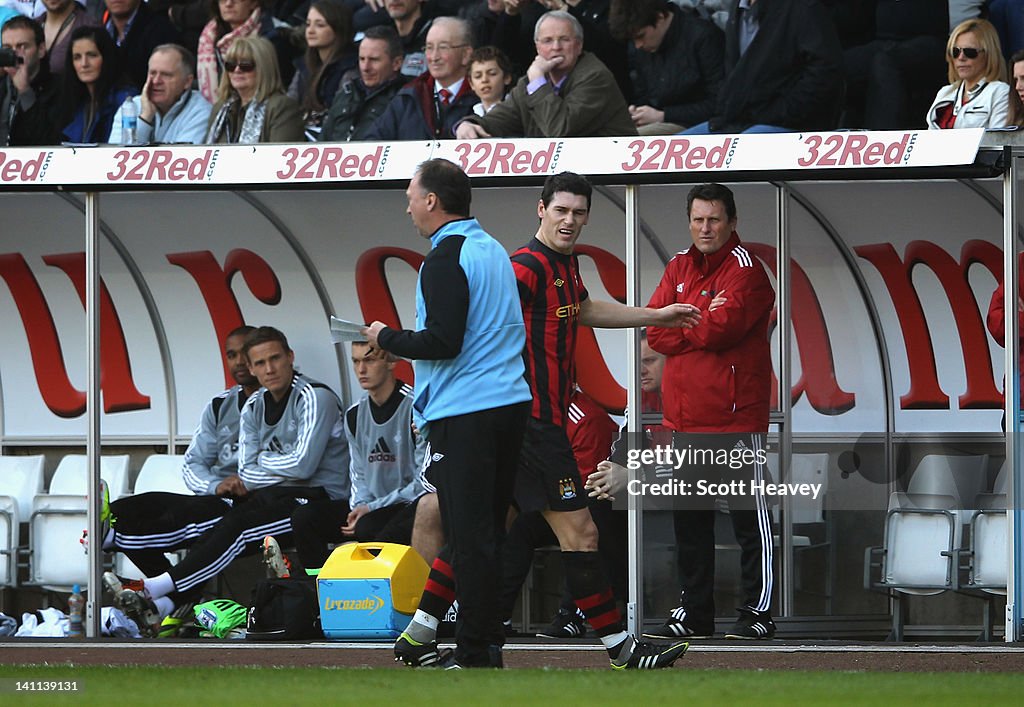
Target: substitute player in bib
[
  {"x": 386, "y": 456},
  {"x": 555, "y": 302}
]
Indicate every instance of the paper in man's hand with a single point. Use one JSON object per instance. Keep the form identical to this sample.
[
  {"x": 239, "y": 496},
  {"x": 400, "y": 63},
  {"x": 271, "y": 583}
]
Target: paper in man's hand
[{"x": 343, "y": 330}]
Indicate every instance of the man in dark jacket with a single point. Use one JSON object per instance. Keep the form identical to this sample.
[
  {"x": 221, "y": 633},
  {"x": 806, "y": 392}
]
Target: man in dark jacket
[
  {"x": 678, "y": 61},
  {"x": 137, "y": 31},
  {"x": 28, "y": 92},
  {"x": 892, "y": 77},
  {"x": 411, "y": 20},
  {"x": 428, "y": 107},
  {"x": 783, "y": 69},
  {"x": 360, "y": 102}
]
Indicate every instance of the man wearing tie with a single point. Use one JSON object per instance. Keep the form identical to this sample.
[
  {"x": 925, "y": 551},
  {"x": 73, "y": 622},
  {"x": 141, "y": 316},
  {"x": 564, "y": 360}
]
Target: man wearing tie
[{"x": 429, "y": 106}]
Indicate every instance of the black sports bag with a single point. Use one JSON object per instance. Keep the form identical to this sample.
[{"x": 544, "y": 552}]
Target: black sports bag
[{"x": 284, "y": 610}]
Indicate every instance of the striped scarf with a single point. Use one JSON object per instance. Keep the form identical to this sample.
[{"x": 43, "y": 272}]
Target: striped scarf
[
  {"x": 211, "y": 49},
  {"x": 252, "y": 122}
]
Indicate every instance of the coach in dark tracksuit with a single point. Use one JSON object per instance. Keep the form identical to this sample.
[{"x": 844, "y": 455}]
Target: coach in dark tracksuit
[{"x": 471, "y": 400}]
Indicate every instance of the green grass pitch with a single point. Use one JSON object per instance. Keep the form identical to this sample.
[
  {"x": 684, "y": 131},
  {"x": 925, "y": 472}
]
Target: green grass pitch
[{"x": 191, "y": 687}]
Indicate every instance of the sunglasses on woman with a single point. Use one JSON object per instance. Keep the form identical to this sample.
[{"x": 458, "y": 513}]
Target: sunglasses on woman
[
  {"x": 969, "y": 52},
  {"x": 244, "y": 66}
]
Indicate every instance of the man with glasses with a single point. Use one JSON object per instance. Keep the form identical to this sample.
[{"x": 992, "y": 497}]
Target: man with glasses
[
  {"x": 429, "y": 106},
  {"x": 566, "y": 92}
]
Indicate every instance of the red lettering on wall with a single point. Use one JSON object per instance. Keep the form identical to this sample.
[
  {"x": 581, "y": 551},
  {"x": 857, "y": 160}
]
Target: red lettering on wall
[
  {"x": 119, "y": 391},
  {"x": 215, "y": 286},
  {"x": 817, "y": 364},
  {"x": 610, "y": 269},
  {"x": 59, "y": 395},
  {"x": 374, "y": 294},
  {"x": 592, "y": 373},
  {"x": 925, "y": 392}
]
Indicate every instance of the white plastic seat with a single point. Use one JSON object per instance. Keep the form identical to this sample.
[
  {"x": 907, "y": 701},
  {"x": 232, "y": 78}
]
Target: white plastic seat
[
  {"x": 57, "y": 560},
  {"x": 58, "y": 518},
  {"x": 1001, "y": 481},
  {"x": 959, "y": 476},
  {"x": 8, "y": 541},
  {"x": 72, "y": 478},
  {"x": 986, "y": 560},
  {"x": 162, "y": 472},
  {"x": 808, "y": 518},
  {"x": 922, "y": 534},
  {"x": 809, "y": 469},
  {"x": 21, "y": 478},
  {"x": 988, "y": 545}
]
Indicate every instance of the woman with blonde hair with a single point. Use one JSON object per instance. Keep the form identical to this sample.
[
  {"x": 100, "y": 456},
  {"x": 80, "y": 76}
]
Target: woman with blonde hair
[
  {"x": 251, "y": 104},
  {"x": 976, "y": 96}
]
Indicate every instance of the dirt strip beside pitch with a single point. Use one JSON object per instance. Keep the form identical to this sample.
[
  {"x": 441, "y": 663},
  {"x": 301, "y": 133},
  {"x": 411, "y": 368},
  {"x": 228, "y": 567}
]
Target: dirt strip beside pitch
[{"x": 767, "y": 658}]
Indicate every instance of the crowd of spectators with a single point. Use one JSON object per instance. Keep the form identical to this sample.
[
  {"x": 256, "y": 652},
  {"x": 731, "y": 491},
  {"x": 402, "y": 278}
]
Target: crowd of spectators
[{"x": 370, "y": 69}]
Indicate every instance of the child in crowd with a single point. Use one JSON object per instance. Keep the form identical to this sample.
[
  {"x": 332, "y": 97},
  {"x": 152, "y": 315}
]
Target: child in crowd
[{"x": 490, "y": 77}]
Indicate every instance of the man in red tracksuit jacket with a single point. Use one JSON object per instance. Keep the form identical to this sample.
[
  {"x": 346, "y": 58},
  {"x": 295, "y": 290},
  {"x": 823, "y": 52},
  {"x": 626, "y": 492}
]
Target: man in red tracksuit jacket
[
  {"x": 716, "y": 392},
  {"x": 996, "y": 321}
]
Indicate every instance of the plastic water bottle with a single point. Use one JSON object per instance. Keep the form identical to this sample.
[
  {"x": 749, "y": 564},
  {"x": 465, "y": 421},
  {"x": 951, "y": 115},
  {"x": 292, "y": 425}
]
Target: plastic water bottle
[
  {"x": 75, "y": 605},
  {"x": 129, "y": 121}
]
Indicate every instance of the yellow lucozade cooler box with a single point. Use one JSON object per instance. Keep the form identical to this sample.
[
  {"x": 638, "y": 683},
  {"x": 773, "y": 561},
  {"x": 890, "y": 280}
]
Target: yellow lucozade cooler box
[{"x": 370, "y": 590}]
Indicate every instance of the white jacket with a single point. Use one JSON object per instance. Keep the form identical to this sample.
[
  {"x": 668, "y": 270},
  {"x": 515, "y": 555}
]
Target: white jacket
[{"x": 987, "y": 106}]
